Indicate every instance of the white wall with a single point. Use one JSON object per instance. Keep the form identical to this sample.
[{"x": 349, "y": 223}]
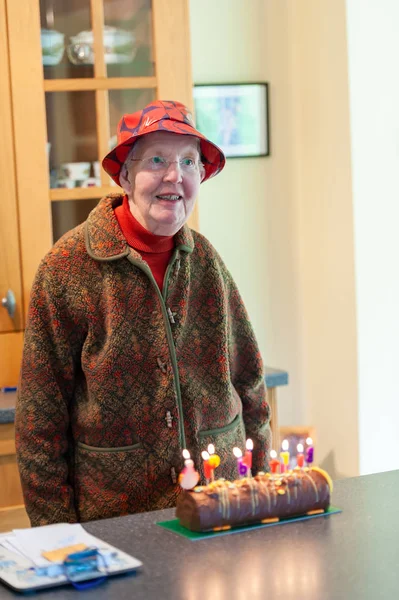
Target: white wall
[
  {"x": 247, "y": 211},
  {"x": 373, "y": 43},
  {"x": 324, "y": 217},
  {"x": 284, "y": 224}
]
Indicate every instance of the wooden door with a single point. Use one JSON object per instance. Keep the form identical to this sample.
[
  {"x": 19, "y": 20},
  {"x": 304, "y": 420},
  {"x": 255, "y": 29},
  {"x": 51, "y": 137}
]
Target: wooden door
[
  {"x": 60, "y": 106},
  {"x": 10, "y": 268}
]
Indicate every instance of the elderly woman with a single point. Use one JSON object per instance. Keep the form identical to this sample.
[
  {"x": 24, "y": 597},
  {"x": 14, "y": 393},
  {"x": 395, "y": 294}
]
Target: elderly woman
[{"x": 138, "y": 344}]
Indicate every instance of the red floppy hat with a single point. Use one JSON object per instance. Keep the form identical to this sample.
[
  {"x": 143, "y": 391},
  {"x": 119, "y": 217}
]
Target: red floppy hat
[{"x": 160, "y": 115}]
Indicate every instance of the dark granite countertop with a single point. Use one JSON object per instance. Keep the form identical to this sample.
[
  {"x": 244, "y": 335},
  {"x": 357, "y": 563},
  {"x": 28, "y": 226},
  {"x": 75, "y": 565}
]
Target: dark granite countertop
[
  {"x": 273, "y": 378},
  {"x": 7, "y": 406},
  {"x": 346, "y": 556}
]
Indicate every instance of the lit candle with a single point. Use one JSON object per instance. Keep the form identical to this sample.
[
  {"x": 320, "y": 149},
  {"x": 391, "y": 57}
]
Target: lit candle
[
  {"x": 189, "y": 477},
  {"x": 214, "y": 460},
  {"x": 241, "y": 466},
  {"x": 187, "y": 459},
  {"x": 274, "y": 463},
  {"x": 300, "y": 457},
  {"x": 207, "y": 468},
  {"x": 285, "y": 456},
  {"x": 249, "y": 445},
  {"x": 309, "y": 451}
]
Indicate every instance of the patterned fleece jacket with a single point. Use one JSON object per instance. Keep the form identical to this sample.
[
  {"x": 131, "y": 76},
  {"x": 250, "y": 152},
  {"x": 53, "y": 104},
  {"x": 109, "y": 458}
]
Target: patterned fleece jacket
[{"x": 118, "y": 378}]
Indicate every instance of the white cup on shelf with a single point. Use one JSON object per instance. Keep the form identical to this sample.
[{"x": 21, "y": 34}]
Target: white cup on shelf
[{"x": 78, "y": 171}]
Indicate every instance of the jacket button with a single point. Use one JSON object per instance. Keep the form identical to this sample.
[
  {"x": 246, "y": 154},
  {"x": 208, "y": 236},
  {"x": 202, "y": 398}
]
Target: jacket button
[
  {"x": 169, "y": 419},
  {"x": 173, "y": 475},
  {"x": 162, "y": 365},
  {"x": 171, "y": 315}
]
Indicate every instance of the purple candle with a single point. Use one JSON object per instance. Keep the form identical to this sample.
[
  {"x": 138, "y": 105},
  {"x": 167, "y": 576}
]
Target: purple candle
[
  {"x": 243, "y": 469},
  {"x": 309, "y": 451},
  {"x": 241, "y": 466}
]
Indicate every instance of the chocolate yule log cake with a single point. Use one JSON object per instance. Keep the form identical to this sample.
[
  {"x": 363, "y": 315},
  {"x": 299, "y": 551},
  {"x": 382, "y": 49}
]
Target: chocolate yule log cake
[{"x": 265, "y": 498}]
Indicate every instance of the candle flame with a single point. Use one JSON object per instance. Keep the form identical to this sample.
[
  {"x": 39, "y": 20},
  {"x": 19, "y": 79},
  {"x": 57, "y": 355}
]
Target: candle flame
[
  {"x": 309, "y": 441},
  {"x": 211, "y": 449},
  {"x": 300, "y": 448},
  {"x": 186, "y": 454},
  {"x": 205, "y": 455},
  {"x": 273, "y": 454},
  {"x": 285, "y": 445},
  {"x": 237, "y": 452},
  {"x": 249, "y": 444}
]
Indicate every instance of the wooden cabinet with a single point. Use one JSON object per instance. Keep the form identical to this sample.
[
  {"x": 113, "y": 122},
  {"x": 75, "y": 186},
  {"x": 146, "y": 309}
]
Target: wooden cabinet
[
  {"x": 71, "y": 69},
  {"x": 12, "y": 510},
  {"x": 10, "y": 271},
  {"x": 10, "y": 489}
]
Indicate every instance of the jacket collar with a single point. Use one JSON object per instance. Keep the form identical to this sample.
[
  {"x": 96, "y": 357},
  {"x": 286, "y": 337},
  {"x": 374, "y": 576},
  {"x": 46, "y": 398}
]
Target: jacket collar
[{"x": 104, "y": 238}]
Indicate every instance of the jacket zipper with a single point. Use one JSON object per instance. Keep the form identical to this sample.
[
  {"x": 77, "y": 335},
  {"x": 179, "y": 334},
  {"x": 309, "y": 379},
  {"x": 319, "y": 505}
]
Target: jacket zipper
[{"x": 172, "y": 350}]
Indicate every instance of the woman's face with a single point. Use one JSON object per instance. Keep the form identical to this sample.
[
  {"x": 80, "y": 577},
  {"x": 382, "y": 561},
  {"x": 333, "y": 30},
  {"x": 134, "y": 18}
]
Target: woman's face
[{"x": 163, "y": 184}]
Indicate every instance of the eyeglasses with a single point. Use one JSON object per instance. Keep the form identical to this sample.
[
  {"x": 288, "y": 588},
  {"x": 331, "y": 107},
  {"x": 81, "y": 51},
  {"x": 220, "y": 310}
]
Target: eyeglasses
[{"x": 160, "y": 164}]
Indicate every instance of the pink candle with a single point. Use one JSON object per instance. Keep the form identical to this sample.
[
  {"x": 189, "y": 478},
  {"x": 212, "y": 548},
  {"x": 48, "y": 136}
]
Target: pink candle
[{"x": 189, "y": 477}]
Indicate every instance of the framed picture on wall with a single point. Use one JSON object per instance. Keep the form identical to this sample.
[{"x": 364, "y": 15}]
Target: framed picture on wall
[{"x": 235, "y": 116}]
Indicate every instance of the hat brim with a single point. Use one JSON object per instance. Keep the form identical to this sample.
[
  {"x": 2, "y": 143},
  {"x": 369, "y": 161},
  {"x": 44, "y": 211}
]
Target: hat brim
[{"x": 212, "y": 156}]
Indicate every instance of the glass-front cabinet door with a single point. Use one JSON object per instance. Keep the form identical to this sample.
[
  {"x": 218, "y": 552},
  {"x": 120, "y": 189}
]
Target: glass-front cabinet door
[
  {"x": 10, "y": 274},
  {"x": 98, "y": 63},
  {"x": 68, "y": 38},
  {"x": 76, "y": 67}
]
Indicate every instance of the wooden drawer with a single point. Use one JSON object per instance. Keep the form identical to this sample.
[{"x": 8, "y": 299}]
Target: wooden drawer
[
  {"x": 14, "y": 517},
  {"x": 10, "y": 486}
]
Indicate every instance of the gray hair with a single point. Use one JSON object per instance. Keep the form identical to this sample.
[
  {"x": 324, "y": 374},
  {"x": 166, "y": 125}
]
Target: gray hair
[
  {"x": 132, "y": 153},
  {"x": 136, "y": 146}
]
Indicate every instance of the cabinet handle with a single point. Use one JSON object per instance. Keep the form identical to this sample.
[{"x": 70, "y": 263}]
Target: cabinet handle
[{"x": 9, "y": 303}]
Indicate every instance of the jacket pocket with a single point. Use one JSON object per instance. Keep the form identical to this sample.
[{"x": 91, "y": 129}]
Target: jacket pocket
[
  {"x": 224, "y": 439},
  {"x": 110, "y": 482}
]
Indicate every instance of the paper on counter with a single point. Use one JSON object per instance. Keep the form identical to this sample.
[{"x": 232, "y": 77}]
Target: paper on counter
[{"x": 30, "y": 543}]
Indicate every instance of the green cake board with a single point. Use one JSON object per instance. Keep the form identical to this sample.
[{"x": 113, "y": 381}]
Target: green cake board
[{"x": 175, "y": 526}]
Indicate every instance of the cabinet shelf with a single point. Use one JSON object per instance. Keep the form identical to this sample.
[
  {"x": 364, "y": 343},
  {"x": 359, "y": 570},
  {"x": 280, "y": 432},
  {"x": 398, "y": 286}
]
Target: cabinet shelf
[
  {"x": 82, "y": 193},
  {"x": 99, "y": 83}
]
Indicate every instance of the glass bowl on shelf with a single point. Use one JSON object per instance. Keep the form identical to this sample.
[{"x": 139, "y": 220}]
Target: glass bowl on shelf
[{"x": 119, "y": 47}]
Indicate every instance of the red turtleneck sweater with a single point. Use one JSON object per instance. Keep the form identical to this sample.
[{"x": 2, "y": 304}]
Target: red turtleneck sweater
[{"x": 156, "y": 250}]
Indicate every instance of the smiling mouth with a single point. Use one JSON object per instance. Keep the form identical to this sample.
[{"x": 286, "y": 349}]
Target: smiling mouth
[{"x": 169, "y": 197}]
